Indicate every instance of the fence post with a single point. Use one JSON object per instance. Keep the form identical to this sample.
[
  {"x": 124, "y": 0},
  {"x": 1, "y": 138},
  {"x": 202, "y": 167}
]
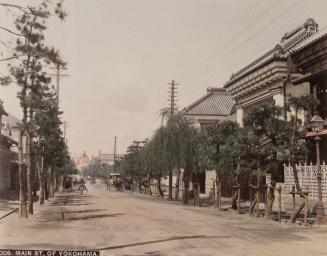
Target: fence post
[
  {"x": 293, "y": 195},
  {"x": 257, "y": 195},
  {"x": 214, "y": 193},
  {"x": 238, "y": 198},
  {"x": 306, "y": 192},
  {"x": 279, "y": 189}
]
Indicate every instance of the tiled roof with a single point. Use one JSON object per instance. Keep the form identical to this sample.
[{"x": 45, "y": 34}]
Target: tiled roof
[
  {"x": 289, "y": 42},
  {"x": 9, "y": 127},
  {"x": 215, "y": 103},
  {"x": 309, "y": 40}
]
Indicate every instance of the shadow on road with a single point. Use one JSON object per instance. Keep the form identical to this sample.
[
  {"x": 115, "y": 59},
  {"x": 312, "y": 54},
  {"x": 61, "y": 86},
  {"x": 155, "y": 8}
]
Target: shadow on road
[
  {"x": 83, "y": 211},
  {"x": 94, "y": 216},
  {"x": 161, "y": 241}
]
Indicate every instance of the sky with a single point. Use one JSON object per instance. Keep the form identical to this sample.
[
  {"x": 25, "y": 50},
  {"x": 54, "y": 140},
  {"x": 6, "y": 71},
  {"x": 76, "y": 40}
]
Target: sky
[{"x": 122, "y": 54}]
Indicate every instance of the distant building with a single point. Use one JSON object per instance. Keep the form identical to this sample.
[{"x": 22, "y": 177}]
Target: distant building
[
  {"x": 109, "y": 159},
  {"x": 82, "y": 161}
]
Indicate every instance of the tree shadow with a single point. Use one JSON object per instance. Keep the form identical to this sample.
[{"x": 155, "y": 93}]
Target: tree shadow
[
  {"x": 94, "y": 216},
  {"x": 161, "y": 241},
  {"x": 84, "y": 211}
]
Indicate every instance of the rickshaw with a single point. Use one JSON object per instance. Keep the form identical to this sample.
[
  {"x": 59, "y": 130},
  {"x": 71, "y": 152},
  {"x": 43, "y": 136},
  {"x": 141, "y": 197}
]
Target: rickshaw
[{"x": 68, "y": 183}]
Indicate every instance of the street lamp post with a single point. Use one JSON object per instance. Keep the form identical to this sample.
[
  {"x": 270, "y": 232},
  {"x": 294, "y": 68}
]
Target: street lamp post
[{"x": 317, "y": 125}]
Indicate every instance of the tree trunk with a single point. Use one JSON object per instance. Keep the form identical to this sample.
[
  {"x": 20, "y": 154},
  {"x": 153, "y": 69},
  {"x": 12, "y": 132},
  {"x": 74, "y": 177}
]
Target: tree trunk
[
  {"x": 218, "y": 191},
  {"x": 22, "y": 200},
  {"x": 270, "y": 201},
  {"x": 170, "y": 194},
  {"x": 254, "y": 202},
  {"x": 234, "y": 199},
  {"x": 297, "y": 211},
  {"x": 46, "y": 186},
  {"x": 42, "y": 181},
  {"x": 29, "y": 173},
  {"x": 159, "y": 187},
  {"x": 186, "y": 186},
  {"x": 177, "y": 183},
  {"x": 196, "y": 190},
  {"x": 235, "y": 191},
  {"x": 50, "y": 183}
]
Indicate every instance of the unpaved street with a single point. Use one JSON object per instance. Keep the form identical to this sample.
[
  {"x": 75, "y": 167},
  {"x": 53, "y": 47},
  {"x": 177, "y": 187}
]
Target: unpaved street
[{"x": 124, "y": 224}]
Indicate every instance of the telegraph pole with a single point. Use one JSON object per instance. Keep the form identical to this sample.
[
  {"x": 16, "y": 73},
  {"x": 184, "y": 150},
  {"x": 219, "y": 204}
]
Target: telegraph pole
[
  {"x": 172, "y": 97},
  {"x": 65, "y": 127},
  {"x": 115, "y": 151},
  {"x": 58, "y": 76},
  {"x": 172, "y": 104}
]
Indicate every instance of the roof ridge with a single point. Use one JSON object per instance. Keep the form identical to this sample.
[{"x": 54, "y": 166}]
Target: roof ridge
[
  {"x": 198, "y": 101},
  {"x": 289, "y": 40}
]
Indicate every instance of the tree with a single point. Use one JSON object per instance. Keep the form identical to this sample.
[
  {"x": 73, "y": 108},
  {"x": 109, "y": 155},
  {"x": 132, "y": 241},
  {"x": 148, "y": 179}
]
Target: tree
[
  {"x": 232, "y": 153},
  {"x": 298, "y": 147},
  {"x": 27, "y": 69},
  {"x": 177, "y": 137},
  {"x": 274, "y": 135}
]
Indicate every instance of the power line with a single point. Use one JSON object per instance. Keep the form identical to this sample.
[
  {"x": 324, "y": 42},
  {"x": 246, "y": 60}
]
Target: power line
[
  {"x": 239, "y": 47},
  {"x": 115, "y": 152}
]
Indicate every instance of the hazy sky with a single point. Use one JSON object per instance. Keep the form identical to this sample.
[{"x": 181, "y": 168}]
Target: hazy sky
[{"x": 121, "y": 55}]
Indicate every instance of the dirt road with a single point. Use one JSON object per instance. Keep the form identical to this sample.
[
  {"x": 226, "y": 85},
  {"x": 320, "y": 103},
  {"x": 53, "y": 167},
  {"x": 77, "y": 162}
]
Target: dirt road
[{"x": 123, "y": 224}]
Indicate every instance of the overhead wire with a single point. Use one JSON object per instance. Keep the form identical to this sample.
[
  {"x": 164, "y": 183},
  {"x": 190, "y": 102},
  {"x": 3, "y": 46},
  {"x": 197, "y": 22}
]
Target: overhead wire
[{"x": 239, "y": 48}]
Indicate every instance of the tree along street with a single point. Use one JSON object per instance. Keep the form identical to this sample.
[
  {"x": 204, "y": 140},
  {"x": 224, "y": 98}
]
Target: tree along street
[{"x": 119, "y": 223}]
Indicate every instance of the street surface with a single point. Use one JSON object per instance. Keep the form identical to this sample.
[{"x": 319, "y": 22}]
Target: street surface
[{"x": 125, "y": 224}]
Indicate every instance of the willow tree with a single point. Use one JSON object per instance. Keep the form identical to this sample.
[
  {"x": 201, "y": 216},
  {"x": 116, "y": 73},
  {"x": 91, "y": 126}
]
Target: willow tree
[
  {"x": 176, "y": 140},
  {"x": 155, "y": 157},
  {"x": 27, "y": 64}
]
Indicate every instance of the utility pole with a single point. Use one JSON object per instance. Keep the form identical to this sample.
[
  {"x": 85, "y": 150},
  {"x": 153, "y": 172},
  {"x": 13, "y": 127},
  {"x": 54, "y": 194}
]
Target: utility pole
[
  {"x": 115, "y": 152},
  {"x": 172, "y": 104},
  {"x": 172, "y": 97},
  {"x": 58, "y": 76},
  {"x": 66, "y": 125}
]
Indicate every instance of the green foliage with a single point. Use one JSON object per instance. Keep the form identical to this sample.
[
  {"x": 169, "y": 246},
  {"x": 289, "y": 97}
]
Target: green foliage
[
  {"x": 29, "y": 68},
  {"x": 279, "y": 140}
]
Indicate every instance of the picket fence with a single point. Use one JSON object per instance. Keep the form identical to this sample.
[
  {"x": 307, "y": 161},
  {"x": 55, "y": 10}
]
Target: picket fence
[{"x": 307, "y": 176}]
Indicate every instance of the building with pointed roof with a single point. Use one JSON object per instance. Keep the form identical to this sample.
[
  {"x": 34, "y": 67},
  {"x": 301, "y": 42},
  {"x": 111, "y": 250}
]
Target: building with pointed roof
[{"x": 82, "y": 161}]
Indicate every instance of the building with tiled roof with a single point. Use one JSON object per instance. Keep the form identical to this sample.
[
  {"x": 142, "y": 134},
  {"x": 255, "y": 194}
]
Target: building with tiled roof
[
  {"x": 215, "y": 105},
  {"x": 309, "y": 61},
  {"x": 265, "y": 79}
]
